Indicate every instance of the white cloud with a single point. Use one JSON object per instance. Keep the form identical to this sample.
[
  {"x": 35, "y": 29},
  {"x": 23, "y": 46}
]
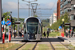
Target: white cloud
[
  {"x": 52, "y": 5},
  {"x": 10, "y": 5}
]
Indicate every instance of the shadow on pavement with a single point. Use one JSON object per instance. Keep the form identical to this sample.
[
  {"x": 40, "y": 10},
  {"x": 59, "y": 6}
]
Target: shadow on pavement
[
  {"x": 43, "y": 40},
  {"x": 51, "y": 40}
]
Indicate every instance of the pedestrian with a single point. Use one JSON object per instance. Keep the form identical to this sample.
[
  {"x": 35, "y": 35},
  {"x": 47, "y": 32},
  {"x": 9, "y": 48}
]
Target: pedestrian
[
  {"x": 72, "y": 33},
  {"x": 44, "y": 34},
  {"x": 47, "y": 34},
  {"x": 11, "y": 33},
  {"x": 66, "y": 33}
]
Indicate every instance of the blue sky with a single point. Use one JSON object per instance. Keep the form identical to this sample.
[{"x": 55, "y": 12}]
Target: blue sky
[{"x": 11, "y": 5}]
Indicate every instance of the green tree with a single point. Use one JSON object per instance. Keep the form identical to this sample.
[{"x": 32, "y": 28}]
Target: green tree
[
  {"x": 59, "y": 22},
  {"x": 35, "y": 16},
  {"x": 6, "y": 15}
]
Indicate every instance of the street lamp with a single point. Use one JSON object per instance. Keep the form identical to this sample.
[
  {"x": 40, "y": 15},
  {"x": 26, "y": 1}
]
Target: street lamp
[
  {"x": 29, "y": 4},
  {"x": 63, "y": 28},
  {"x": 63, "y": 22},
  {"x": 34, "y": 7}
]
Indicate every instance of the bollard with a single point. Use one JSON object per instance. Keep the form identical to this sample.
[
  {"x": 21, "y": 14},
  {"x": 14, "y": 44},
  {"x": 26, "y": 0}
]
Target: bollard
[
  {"x": 62, "y": 34},
  {"x": 3, "y": 38},
  {"x": 9, "y": 37}
]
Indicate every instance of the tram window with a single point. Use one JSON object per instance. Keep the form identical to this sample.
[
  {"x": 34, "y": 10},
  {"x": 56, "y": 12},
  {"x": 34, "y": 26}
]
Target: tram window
[
  {"x": 39, "y": 28},
  {"x": 32, "y": 27}
]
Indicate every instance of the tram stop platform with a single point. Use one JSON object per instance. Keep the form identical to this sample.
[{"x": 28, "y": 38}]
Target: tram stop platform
[
  {"x": 13, "y": 40},
  {"x": 68, "y": 40}
]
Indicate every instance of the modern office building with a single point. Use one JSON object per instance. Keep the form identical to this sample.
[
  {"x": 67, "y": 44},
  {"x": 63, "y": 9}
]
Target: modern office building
[
  {"x": 58, "y": 9},
  {"x": 68, "y": 6}
]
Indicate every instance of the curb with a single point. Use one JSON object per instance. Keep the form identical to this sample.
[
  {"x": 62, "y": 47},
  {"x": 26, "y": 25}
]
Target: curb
[{"x": 61, "y": 38}]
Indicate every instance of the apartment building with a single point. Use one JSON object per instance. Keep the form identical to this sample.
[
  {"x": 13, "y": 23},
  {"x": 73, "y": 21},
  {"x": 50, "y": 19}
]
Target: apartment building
[{"x": 68, "y": 6}]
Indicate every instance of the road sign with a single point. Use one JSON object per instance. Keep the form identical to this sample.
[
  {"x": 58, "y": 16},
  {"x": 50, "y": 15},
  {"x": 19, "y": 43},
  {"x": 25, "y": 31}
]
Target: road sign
[
  {"x": 60, "y": 27},
  {"x": 8, "y": 23},
  {"x": 3, "y": 22}
]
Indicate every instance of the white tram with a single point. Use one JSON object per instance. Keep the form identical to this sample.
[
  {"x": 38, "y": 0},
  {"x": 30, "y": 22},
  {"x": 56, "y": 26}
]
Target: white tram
[{"x": 32, "y": 29}]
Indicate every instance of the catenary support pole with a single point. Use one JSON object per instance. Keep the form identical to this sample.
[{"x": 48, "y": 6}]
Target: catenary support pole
[{"x": 0, "y": 18}]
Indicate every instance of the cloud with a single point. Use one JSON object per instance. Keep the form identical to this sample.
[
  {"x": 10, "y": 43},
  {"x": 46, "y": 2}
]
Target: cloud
[
  {"x": 10, "y": 6},
  {"x": 51, "y": 5}
]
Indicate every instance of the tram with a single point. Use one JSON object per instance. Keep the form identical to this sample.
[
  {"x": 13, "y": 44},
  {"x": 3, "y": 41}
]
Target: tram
[{"x": 32, "y": 29}]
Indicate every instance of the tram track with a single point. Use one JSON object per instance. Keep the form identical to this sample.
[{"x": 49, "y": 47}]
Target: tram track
[
  {"x": 60, "y": 43},
  {"x": 51, "y": 44},
  {"x": 21, "y": 46},
  {"x": 65, "y": 45},
  {"x": 35, "y": 46},
  {"x": 25, "y": 44}
]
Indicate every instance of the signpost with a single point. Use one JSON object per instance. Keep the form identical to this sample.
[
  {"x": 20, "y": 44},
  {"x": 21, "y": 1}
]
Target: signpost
[
  {"x": 3, "y": 36},
  {"x": 8, "y": 24},
  {"x": 3, "y": 22},
  {"x": 60, "y": 27}
]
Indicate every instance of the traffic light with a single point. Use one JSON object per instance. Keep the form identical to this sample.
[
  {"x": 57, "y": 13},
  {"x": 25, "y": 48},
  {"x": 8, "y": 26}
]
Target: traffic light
[{"x": 12, "y": 21}]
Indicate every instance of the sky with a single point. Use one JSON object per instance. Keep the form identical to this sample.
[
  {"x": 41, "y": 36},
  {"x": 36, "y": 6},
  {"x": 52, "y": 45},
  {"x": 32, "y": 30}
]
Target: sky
[{"x": 12, "y": 5}]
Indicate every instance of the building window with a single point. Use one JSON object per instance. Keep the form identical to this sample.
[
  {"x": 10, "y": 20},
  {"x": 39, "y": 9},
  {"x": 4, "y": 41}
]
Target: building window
[
  {"x": 72, "y": 17},
  {"x": 69, "y": 1},
  {"x": 73, "y": 8},
  {"x": 69, "y": 10}
]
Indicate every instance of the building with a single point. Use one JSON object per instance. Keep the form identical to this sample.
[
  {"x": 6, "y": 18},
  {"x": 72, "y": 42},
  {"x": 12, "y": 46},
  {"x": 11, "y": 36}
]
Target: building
[
  {"x": 53, "y": 18},
  {"x": 68, "y": 6},
  {"x": 51, "y": 21},
  {"x": 58, "y": 9}
]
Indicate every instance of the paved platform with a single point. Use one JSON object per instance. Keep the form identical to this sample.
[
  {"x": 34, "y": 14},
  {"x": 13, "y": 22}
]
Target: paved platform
[
  {"x": 16, "y": 39},
  {"x": 68, "y": 40}
]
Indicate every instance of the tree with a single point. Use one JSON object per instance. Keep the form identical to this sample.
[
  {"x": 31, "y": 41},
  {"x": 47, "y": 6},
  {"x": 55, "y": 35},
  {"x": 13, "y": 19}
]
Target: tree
[
  {"x": 6, "y": 15},
  {"x": 59, "y": 22},
  {"x": 35, "y": 16}
]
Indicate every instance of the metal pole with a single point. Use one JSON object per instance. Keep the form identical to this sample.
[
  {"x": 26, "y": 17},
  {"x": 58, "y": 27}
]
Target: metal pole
[
  {"x": 29, "y": 8},
  {"x": 0, "y": 18},
  {"x": 18, "y": 18}
]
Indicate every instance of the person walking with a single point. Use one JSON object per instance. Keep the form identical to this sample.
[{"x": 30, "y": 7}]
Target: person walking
[
  {"x": 66, "y": 33},
  {"x": 44, "y": 34},
  {"x": 47, "y": 34}
]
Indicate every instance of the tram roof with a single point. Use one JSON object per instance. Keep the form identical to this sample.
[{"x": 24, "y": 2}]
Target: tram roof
[{"x": 33, "y": 17}]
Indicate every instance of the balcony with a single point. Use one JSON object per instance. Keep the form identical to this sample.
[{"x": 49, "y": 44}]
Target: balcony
[
  {"x": 67, "y": 6},
  {"x": 72, "y": 22},
  {"x": 73, "y": 2}
]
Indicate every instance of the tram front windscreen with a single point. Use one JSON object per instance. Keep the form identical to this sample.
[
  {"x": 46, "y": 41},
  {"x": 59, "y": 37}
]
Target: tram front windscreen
[{"x": 32, "y": 26}]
